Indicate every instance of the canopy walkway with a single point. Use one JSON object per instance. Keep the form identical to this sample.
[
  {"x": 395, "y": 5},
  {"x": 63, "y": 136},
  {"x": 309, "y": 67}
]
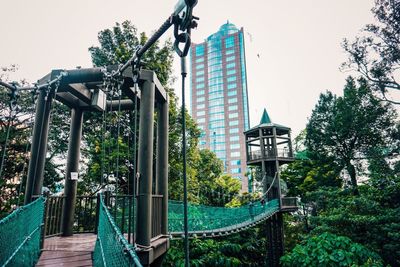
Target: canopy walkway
[
  {"x": 208, "y": 221},
  {"x": 23, "y": 232}
]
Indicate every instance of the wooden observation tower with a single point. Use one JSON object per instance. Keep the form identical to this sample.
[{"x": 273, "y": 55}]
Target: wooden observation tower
[{"x": 268, "y": 146}]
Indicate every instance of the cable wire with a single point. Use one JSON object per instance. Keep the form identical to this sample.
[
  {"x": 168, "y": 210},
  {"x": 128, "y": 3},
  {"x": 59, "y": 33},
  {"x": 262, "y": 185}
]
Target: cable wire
[{"x": 185, "y": 195}]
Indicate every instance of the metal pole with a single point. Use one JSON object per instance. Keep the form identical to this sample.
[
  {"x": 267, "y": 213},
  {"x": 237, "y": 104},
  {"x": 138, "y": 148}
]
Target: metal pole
[
  {"x": 185, "y": 196},
  {"x": 37, "y": 142},
  {"x": 72, "y": 167},
  {"x": 162, "y": 163},
  {"x": 145, "y": 164}
]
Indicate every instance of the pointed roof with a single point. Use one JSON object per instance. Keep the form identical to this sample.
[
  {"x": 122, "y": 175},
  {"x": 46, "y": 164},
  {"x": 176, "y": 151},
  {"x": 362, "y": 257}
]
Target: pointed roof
[
  {"x": 266, "y": 122},
  {"x": 265, "y": 117}
]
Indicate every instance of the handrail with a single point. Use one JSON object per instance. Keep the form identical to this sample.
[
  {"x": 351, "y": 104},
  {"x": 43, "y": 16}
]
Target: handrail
[
  {"x": 111, "y": 243},
  {"x": 19, "y": 229}
]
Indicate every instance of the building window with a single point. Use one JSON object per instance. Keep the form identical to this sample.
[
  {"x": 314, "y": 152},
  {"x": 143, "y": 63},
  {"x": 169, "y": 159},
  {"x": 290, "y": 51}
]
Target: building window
[
  {"x": 217, "y": 124},
  {"x": 232, "y": 100},
  {"x": 229, "y": 41},
  {"x": 234, "y": 130},
  {"x": 230, "y": 51},
  {"x": 200, "y": 59},
  {"x": 230, "y": 58},
  {"x": 200, "y": 99},
  {"x": 234, "y": 107},
  {"x": 200, "y": 92},
  {"x": 201, "y": 120},
  {"x": 199, "y": 50},
  {"x": 230, "y": 72},
  {"x": 201, "y": 113},
  {"x": 230, "y": 65},
  {"x": 214, "y": 68},
  {"x": 216, "y": 109},
  {"x": 232, "y": 93},
  {"x": 235, "y": 162},
  {"x": 220, "y": 155},
  {"x": 235, "y": 146},
  {"x": 201, "y": 106},
  {"x": 200, "y": 66},
  {"x": 200, "y": 72},
  {"x": 216, "y": 102},
  {"x": 231, "y": 86},
  {"x": 233, "y": 115},
  {"x": 231, "y": 79},
  {"x": 233, "y": 123},
  {"x": 234, "y": 138},
  {"x": 235, "y": 170},
  {"x": 200, "y": 85},
  {"x": 219, "y": 131},
  {"x": 235, "y": 154},
  {"x": 199, "y": 79}
]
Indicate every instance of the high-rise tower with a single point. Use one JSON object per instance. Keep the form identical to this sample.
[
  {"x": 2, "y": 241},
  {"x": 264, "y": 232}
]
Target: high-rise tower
[{"x": 219, "y": 101}]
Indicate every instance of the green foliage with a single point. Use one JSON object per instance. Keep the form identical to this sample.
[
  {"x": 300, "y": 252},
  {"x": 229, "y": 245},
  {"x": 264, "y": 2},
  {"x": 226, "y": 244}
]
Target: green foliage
[
  {"x": 116, "y": 46},
  {"x": 345, "y": 129},
  {"x": 308, "y": 175},
  {"x": 243, "y": 249},
  {"x": 372, "y": 218},
  {"x": 12, "y": 182},
  {"x": 376, "y": 53},
  {"x": 330, "y": 250}
]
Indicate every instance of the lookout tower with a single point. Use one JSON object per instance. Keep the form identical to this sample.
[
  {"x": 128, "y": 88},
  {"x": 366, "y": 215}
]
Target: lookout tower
[{"x": 268, "y": 146}]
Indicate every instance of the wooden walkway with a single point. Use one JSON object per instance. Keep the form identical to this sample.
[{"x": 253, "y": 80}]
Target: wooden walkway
[{"x": 74, "y": 251}]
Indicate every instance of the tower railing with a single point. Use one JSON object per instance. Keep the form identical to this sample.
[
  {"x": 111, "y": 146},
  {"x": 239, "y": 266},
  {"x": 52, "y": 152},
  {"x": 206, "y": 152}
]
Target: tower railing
[{"x": 269, "y": 153}]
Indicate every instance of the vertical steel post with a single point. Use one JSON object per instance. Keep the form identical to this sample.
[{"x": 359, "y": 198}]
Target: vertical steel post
[
  {"x": 70, "y": 187},
  {"x": 34, "y": 181},
  {"x": 185, "y": 194},
  {"x": 162, "y": 163},
  {"x": 145, "y": 163}
]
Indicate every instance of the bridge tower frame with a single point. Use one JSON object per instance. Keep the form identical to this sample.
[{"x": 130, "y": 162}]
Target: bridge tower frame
[{"x": 269, "y": 146}]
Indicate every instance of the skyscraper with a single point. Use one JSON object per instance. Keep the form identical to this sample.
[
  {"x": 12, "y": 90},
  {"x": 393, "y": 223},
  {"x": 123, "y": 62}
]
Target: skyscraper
[{"x": 219, "y": 101}]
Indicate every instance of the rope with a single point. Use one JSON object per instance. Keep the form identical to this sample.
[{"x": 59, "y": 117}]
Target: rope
[
  {"x": 185, "y": 195},
  {"x": 20, "y": 178},
  {"x": 10, "y": 119},
  {"x": 134, "y": 184},
  {"x": 103, "y": 129},
  {"x": 118, "y": 133}
]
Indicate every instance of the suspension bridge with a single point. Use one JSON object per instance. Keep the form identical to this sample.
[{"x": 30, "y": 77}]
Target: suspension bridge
[{"x": 130, "y": 230}]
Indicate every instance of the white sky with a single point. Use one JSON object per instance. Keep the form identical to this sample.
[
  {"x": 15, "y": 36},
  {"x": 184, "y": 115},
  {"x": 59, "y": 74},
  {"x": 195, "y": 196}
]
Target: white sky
[{"x": 298, "y": 42}]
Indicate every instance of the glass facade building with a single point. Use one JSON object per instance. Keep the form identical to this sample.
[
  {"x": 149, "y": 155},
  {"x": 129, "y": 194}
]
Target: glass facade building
[{"x": 219, "y": 102}]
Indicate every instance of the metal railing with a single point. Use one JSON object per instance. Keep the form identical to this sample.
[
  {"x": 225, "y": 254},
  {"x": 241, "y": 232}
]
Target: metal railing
[
  {"x": 280, "y": 153},
  {"x": 156, "y": 213},
  {"x": 53, "y": 213},
  {"x": 289, "y": 202},
  {"x": 121, "y": 207},
  {"x": 85, "y": 214}
]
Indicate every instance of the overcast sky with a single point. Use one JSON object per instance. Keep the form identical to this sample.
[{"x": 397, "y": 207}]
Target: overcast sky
[{"x": 293, "y": 48}]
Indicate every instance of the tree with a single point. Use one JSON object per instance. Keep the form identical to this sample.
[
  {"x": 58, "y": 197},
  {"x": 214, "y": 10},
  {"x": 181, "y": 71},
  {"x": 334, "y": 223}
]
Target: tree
[
  {"x": 370, "y": 218},
  {"x": 306, "y": 175},
  {"x": 376, "y": 54},
  {"x": 19, "y": 122},
  {"x": 330, "y": 250},
  {"x": 347, "y": 128}
]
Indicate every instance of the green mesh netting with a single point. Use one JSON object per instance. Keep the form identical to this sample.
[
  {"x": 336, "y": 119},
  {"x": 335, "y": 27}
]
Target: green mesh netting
[
  {"x": 112, "y": 249},
  {"x": 20, "y": 234},
  {"x": 218, "y": 219}
]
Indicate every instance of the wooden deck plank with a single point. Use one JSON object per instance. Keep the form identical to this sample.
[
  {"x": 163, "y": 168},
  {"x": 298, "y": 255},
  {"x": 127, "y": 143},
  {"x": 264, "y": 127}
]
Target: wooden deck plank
[{"x": 74, "y": 251}]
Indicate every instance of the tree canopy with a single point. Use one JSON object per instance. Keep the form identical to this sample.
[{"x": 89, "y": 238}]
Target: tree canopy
[
  {"x": 376, "y": 53},
  {"x": 347, "y": 128}
]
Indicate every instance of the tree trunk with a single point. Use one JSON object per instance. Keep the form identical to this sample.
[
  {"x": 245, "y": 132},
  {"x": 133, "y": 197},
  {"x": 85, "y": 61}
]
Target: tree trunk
[{"x": 352, "y": 172}]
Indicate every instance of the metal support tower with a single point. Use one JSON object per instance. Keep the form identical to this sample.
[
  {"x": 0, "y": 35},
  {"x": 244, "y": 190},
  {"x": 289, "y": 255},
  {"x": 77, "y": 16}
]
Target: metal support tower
[{"x": 268, "y": 146}]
